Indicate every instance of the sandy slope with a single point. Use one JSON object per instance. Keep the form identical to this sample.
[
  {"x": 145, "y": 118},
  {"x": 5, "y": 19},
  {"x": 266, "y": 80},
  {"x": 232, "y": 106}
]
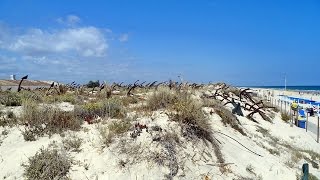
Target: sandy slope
[{"x": 195, "y": 159}]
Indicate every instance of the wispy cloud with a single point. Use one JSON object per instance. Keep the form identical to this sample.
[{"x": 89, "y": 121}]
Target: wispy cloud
[
  {"x": 69, "y": 20},
  {"x": 124, "y": 37}
]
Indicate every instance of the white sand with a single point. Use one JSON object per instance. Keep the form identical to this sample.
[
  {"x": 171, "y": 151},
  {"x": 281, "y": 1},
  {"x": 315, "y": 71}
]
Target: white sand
[
  {"x": 196, "y": 159},
  {"x": 299, "y": 94}
]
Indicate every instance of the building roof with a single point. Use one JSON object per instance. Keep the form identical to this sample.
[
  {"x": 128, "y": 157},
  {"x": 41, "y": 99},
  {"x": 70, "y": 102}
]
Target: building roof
[{"x": 24, "y": 83}]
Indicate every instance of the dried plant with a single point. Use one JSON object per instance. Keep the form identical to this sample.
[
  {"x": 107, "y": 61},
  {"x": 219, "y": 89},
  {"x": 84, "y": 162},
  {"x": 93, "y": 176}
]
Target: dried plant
[
  {"x": 162, "y": 98},
  {"x": 9, "y": 98},
  {"x": 47, "y": 164},
  {"x": 114, "y": 129},
  {"x": 46, "y": 120},
  {"x": 72, "y": 143}
]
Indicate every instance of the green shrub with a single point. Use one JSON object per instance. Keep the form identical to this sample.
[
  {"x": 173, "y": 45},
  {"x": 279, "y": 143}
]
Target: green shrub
[
  {"x": 9, "y": 98},
  {"x": 127, "y": 100},
  {"x": 72, "y": 143},
  {"x": 31, "y": 134},
  {"x": 67, "y": 97},
  {"x": 120, "y": 126},
  {"x": 71, "y": 98},
  {"x": 32, "y": 96},
  {"x": 115, "y": 108},
  {"x": 47, "y": 164},
  {"x": 51, "y": 99},
  {"x": 50, "y": 120},
  {"x": 112, "y": 108},
  {"x": 116, "y": 128}
]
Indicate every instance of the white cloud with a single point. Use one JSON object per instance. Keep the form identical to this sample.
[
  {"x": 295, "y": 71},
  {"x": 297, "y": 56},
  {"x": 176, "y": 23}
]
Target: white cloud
[
  {"x": 124, "y": 38},
  {"x": 61, "y": 53},
  {"x": 69, "y": 20},
  {"x": 73, "y": 19},
  {"x": 84, "y": 41}
]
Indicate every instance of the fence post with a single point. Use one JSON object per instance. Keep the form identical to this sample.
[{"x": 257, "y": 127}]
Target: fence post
[
  {"x": 297, "y": 116},
  {"x": 307, "y": 123},
  {"x": 291, "y": 118},
  {"x": 285, "y": 106},
  {"x": 318, "y": 130}
]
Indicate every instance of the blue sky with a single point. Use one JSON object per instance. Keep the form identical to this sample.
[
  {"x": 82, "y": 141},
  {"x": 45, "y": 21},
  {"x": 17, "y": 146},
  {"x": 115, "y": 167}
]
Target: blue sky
[{"x": 243, "y": 42}]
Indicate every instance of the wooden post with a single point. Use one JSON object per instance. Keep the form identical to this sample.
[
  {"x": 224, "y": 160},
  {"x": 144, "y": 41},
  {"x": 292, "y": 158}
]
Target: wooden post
[
  {"x": 318, "y": 130},
  {"x": 285, "y": 107},
  {"x": 307, "y": 123},
  {"x": 291, "y": 118},
  {"x": 281, "y": 106},
  {"x": 297, "y": 116}
]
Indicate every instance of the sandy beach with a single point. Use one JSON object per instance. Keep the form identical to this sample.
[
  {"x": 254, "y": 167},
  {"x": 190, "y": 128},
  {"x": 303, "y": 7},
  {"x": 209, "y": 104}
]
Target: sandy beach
[
  {"x": 264, "y": 150},
  {"x": 312, "y": 95},
  {"x": 274, "y": 96}
]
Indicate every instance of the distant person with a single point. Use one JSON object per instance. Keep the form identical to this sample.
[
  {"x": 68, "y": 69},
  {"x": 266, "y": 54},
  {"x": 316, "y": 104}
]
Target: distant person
[
  {"x": 294, "y": 106},
  {"x": 310, "y": 110}
]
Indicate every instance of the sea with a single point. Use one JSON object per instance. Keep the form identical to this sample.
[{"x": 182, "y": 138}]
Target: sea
[{"x": 295, "y": 88}]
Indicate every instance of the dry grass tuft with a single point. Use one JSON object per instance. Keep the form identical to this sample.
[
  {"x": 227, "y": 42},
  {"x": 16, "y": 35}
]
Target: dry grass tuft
[
  {"x": 33, "y": 96},
  {"x": 169, "y": 143},
  {"x": 263, "y": 131},
  {"x": 127, "y": 100},
  {"x": 67, "y": 97},
  {"x": 250, "y": 169},
  {"x": 227, "y": 117},
  {"x": 233, "y": 90},
  {"x": 112, "y": 108},
  {"x": 72, "y": 143},
  {"x": 285, "y": 117},
  {"x": 8, "y": 119},
  {"x": 190, "y": 115},
  {"x": 113, "y": 130},
  {"x": 47, "y": 164},
  {"x": 120, "y": 126},
  {"x": 194, "y": 123},
  {"x": 163, "y": 98},
  {"x": 46, "y": 120}
]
